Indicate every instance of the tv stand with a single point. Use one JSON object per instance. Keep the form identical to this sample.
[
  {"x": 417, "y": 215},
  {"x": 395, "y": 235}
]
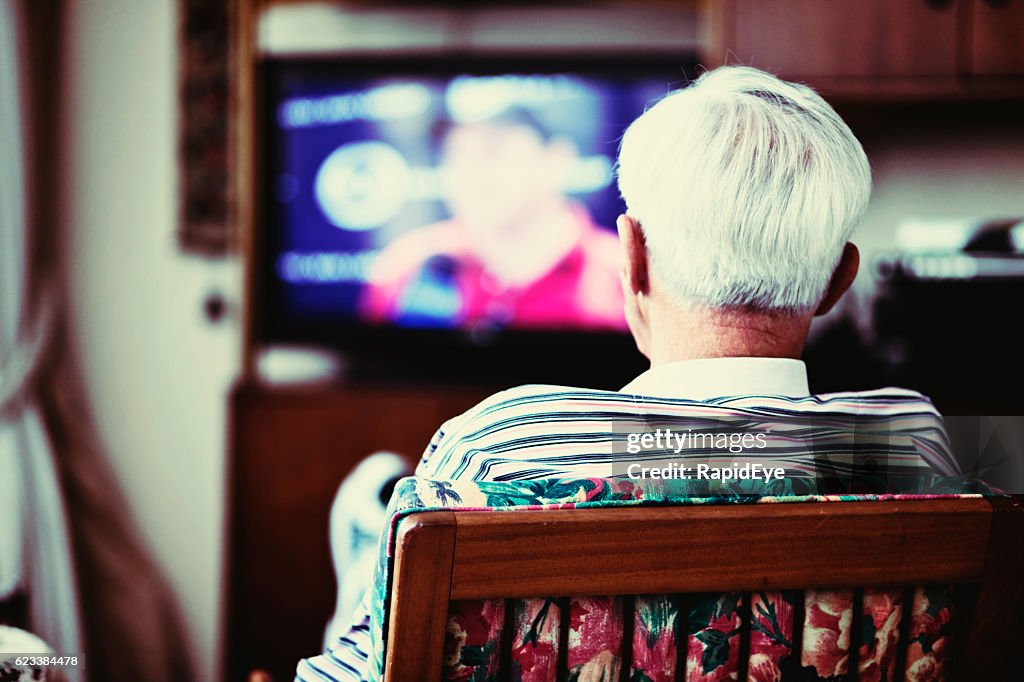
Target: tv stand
[{"x": 290, "y": 448}]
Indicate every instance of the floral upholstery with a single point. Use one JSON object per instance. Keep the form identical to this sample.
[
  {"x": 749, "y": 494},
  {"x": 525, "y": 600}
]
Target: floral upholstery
[
  {"x": 536, "y": 626},
  {"x": 792, "y": 635},
  {"x": 929, "y": 651},
  {"x": 772, "y": 633},
  {"x": 655, "y": 650},
  {"x": 882, "y": 616}
]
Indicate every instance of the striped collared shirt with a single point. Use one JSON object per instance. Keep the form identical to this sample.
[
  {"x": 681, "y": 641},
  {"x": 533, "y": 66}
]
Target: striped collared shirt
[{"x": 539, "y": 431}]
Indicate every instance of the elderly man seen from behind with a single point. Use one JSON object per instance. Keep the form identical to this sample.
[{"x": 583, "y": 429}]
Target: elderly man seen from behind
[{"x": 741, "y": 193}]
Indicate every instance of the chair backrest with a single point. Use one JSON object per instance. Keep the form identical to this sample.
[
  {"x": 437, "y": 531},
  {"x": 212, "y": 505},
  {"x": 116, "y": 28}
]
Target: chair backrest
[{"x": 678, "y": 555}]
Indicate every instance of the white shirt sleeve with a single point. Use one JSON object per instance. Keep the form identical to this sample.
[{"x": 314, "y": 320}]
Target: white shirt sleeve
[{"x": 346, "y": 661}]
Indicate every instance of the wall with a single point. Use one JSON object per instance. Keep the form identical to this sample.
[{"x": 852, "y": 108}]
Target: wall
[{"x": 156, "y": 372}]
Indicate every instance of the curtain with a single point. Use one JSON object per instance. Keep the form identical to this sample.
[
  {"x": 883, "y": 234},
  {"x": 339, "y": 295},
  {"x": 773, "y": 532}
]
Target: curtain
[
  {"x": 67, "y": 538},
  {"x": 35, "y": 554}
]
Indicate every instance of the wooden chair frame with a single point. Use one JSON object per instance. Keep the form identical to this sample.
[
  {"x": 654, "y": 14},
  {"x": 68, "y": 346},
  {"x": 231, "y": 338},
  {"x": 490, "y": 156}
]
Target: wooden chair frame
[{"x": 444, "y": 555}]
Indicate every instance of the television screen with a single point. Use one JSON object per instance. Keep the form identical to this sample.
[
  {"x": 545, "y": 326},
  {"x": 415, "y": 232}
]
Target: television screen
[{"x": 446, "y": 198}]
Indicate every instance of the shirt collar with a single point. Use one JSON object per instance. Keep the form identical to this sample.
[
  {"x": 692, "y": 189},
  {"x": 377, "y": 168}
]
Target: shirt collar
[{"x": 717, "y": 377}]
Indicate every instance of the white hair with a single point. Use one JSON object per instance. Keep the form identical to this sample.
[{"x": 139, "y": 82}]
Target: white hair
[{"x": 746, "y": 188}]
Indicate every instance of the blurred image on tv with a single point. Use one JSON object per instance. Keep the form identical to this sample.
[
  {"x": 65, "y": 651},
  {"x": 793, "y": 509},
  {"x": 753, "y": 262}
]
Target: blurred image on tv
[{"x": 449, "y": 201}]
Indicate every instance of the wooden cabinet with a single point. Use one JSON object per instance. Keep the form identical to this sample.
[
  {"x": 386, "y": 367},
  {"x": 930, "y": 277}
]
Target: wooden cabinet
[
  {"x": 808, "y": 38},
  {"x": 996, "y": 37},
  {"x": 290, "y": 449},
  {"x": 875, "y": 47}
]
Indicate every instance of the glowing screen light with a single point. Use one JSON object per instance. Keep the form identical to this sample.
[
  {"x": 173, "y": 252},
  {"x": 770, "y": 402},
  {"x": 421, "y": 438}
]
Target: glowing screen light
[
  {"x": 384, "y": 103},
  {"x": 362, "y": 185}
]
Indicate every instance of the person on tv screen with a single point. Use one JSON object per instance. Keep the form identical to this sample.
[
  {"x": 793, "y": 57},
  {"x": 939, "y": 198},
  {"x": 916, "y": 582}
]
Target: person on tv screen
[{"x": 516, "y": 251}]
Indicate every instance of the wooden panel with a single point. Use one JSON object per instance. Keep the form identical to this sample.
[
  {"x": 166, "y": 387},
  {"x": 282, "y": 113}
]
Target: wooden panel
[
  {"x": 717, "y": 32},
  {"x": 811, "y": 38},
  {"x": 425, "y": 547},
  {"x": 290, "y": 449},
  {"x": 765, "y": 547},
  {"x": 244, "y": 146},
  {"x": 997, "y": 37},
  {"x": 997, "y": 627}
]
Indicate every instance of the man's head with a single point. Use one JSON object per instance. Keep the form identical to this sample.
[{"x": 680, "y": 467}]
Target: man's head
[
  {"x": 500, "y": 171},
  {"x": 741, "y": 193},
  {"x": 504, "y": 179}
]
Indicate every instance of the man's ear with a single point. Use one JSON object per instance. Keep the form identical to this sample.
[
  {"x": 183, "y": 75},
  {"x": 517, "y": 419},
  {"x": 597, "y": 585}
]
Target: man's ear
[
  {"x": 634, "y": 250},
  {"x": 842, "y": 278}
]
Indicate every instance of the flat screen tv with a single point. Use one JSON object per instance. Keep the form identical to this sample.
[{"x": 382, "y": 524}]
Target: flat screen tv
[{"x": 448, "y": 213}]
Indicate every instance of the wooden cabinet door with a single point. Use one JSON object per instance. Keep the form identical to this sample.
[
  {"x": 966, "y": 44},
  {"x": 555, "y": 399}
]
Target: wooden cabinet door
[
  {"x": 291, "y": 448},
  {"x": 839, "y": 38},
  {"x": 996, "y": 30}
]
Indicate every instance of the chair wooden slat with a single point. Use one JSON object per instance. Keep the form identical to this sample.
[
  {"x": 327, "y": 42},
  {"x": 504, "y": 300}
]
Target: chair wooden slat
[
  {"x": 877, "y": 548},
  {"x": 719, "y": 548},
  {"x": 998, "y": 612},
  {"x": 423, "y": 570}
]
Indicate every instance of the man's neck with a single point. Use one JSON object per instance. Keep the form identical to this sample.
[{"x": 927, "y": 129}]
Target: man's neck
[{"x": 700, "y": 332}]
